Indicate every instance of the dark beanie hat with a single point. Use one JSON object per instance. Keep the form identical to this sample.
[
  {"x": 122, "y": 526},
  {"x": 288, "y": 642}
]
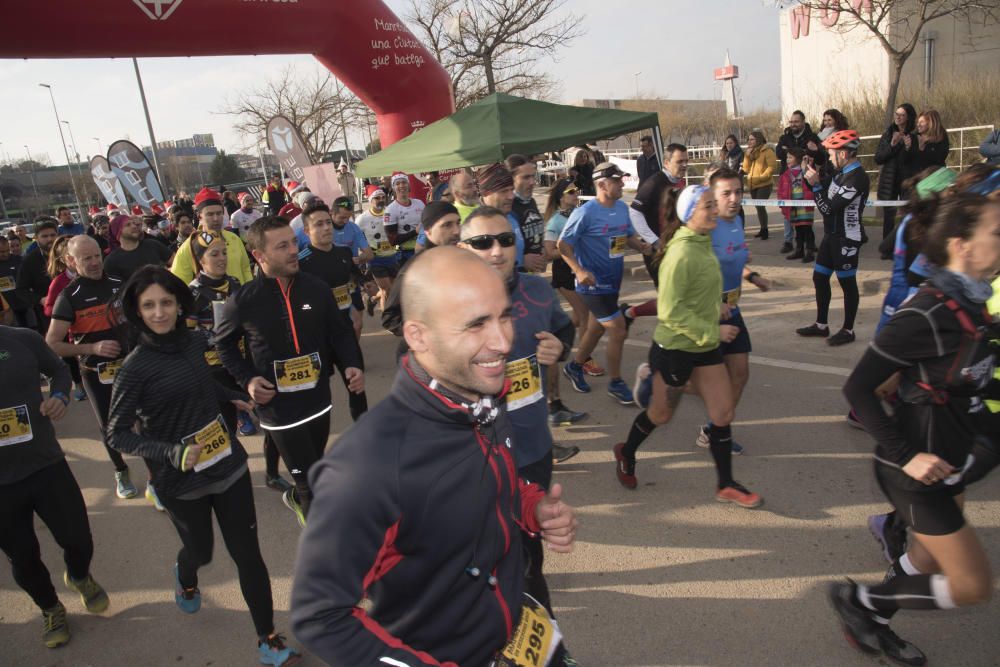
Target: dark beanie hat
[
  {"x": 434, "y": 212},
  {"x": 493, "y": 178}
]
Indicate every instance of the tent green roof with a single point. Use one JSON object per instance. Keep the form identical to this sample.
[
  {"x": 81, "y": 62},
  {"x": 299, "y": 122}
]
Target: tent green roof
[{"x": 498, "y": 126}]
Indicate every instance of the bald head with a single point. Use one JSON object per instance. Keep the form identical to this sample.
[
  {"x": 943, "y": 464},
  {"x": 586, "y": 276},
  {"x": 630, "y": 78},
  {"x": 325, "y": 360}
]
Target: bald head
[
  {"x": 429, "y": 281},
  {"x": 463, "y": 186},
  {"x": 456, "y": 320},
  {"x": 87, "y": 256}
]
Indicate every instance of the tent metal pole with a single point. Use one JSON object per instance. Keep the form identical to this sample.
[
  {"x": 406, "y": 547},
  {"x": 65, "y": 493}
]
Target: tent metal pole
[{"x": 658, "y": 143}]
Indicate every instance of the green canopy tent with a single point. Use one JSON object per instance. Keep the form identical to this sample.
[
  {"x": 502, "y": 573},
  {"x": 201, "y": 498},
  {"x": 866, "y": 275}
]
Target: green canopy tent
[{"x": 501, "y": 125}]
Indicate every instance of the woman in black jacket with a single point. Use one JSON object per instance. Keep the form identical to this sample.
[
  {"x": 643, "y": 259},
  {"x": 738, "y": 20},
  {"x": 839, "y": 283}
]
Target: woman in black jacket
[
  {"x": 199, "y": 466},
  {"x": 890, "y": 156},
  {"x": 930, "y": 147},
  {"x": 938, "y": 342}
]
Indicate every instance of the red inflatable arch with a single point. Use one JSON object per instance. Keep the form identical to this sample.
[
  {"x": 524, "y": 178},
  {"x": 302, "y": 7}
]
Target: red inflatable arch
[{"x": 361, "y": 41}]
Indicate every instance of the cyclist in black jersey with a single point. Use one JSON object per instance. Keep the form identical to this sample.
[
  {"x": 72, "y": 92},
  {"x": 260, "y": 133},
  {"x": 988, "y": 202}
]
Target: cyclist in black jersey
[
  {"x": 842, "y": 203},
  {"x": 335, "y": 266},
  {"x": 938, "y": 343}
]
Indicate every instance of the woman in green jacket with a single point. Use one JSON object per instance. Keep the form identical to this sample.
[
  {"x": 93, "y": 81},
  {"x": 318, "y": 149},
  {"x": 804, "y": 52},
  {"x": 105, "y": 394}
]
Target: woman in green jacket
[
  {"x": 760, "y": 164},
  {"x": 686, "y": 343}
]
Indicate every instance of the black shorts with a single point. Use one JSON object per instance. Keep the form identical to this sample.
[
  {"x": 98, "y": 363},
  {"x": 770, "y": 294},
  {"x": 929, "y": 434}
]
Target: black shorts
[
  {"x": 562, "y": 275},
  {"x": 740, "y": 344},
  {"x": 676, "y": 366},
  {"x": 356, "y": 299},
  {"x": 929, "y": 510},
  {"x": 838, "y": 255},
  {"x": 603, "y": 306}
]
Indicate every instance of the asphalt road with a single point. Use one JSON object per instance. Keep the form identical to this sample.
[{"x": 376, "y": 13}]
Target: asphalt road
[{"x": 662, "y": 575}]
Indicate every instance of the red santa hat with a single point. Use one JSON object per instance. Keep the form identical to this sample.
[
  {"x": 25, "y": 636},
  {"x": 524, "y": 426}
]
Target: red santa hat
[
  {"x": 207, "y": 197},
  {"x": 136, "y": 210},
  {"x": 93, "y": 210},
  {"x": 157, "y": 209},
  {"x": 112, "y": 209}
]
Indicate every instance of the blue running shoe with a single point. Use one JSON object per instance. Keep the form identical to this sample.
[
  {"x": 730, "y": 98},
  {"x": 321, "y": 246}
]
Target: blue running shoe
[
  {"x": 80, "y": 394},
  {"x": 274, "y": 652},
  {"x": 246, "y": 425},
  {"x": 643, "y": 387},
  {"x": 574, "y": 372},
  {"x": 188, "y": 599},
  {"x": 620, "y": 391},
  {"x": 703, "y": 441}
]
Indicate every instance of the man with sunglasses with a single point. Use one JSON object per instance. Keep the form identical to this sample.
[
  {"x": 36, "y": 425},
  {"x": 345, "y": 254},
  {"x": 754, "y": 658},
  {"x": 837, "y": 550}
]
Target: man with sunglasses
[
  {"x": 593, "y": 244},
  {"x": 543, "y": 336}
]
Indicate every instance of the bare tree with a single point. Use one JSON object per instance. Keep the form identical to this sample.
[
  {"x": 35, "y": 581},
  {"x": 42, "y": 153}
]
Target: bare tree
[
  {"x": 491, "y": 46},
  {"x": 319, "y": 106},
  {"x": 897, "y": 24}
]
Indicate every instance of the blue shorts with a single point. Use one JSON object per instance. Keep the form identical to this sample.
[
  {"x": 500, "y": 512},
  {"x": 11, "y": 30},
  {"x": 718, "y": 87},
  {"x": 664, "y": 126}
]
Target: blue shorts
[
  {"x": 603, "y": 306},
  {"x": 740, "y": 344}
]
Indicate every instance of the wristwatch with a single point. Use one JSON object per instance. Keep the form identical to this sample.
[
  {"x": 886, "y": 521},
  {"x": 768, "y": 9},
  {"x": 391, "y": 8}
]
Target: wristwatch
[{"x": 61, "y": 396}]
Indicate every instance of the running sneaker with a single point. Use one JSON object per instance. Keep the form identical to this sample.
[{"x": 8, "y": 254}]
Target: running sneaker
[
  {"x": 124, "y": 488},
  {"x": 890, "y": 534},
  {"x": 860, "y": 629},
  {"x": 246, "y": 425},
  {"x": 574, "y": 372},
  {"x": 624, "y": 468},
  {"x": 55, "y": 629},
  {"x": 814, "y": 331},
  {"x": 292, "y": 503},
  {"x": 642, "y": 389},
  {"x": 897, "y": 649},
  {"x": 93, "y": 596},
  {"x": 591, "y": 368},
  {"x": 853, "y": 421},
  {"x": 620, "y": 392},
  {"x": 560, "y": 415},
  {"x": 277, "y": 483},
  {"x": 153, "y": 498},
  {"x": 563, "y": 453},
  {"x": 704, "y": 441},
  {"x": 188, "y": 599},
  {"x": 274, "y": 652},
  {"x": 80, "y": 394},
  {"x": 842, "y": 337},
  {"x": 738, "y": 494},
  {"x": 622, "y": 307}
]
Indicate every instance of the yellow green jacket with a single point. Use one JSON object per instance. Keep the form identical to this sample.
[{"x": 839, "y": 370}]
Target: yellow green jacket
[
  {"x": 690, "y": 294},
  {"x": 993, "y": 305},
  {"x": 237, "y": 262}
]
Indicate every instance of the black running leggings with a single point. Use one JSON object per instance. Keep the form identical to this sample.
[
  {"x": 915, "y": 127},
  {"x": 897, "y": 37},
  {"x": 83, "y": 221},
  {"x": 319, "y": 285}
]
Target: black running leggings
[
  {"x": 300, "y": 447},
  {"x": 53, "y": 494},
  {"x": 237, "y": 517},
  {"x": 852, "y": 298},
  {"x": 100, "y": 400}
]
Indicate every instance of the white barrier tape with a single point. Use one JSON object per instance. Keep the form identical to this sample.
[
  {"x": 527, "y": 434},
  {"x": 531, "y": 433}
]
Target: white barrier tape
[{"x": 803, "y": 203}]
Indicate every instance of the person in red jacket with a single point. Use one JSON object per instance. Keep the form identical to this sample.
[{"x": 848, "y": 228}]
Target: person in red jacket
[{"x": 792, "y": 185}]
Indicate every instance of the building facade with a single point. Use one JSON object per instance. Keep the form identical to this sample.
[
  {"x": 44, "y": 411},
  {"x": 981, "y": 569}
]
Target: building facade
[{"x": 824, "y": 60}]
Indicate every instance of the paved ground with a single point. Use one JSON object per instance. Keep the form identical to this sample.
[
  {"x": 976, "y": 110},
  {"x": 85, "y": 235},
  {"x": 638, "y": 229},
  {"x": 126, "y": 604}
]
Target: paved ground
[{"x": 662, "y": 575}]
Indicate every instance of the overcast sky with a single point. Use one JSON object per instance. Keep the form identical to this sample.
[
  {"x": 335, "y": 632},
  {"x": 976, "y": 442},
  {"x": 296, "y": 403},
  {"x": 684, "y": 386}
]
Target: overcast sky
[{"x": 675, "y": 44}]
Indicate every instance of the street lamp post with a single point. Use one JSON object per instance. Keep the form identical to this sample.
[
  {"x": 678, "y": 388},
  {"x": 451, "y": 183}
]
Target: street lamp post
[
  {"x": 79, "y": 169},
  {"x": 62, "y": 140},
  {"x": 99, "y": 151},
  {"x": 636, "y": 75},
  {"x": 31, "y": 172}
]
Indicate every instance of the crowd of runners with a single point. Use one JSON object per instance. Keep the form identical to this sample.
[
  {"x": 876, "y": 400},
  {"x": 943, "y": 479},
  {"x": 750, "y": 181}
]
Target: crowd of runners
[{"x": 425, "y": 524}]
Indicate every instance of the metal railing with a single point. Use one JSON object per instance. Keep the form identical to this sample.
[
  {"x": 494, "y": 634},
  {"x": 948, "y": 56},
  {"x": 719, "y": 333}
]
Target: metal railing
[{"x": 702, "y": 156}]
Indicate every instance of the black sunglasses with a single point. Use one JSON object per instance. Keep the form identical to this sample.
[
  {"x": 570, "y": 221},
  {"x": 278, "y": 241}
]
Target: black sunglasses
[{"x": 485, "y": 241}]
